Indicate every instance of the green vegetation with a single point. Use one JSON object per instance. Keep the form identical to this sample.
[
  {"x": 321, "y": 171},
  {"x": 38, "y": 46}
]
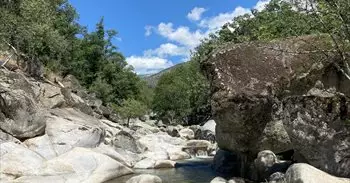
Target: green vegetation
[
  {"x": 48, "y": 32},
  {"x": 182, "y": 95},
  {"x": 131, "y": 109}
]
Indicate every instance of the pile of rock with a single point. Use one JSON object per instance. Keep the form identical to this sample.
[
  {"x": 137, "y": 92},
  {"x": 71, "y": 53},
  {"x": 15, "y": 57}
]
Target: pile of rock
[{"x": 53, "y": 134}]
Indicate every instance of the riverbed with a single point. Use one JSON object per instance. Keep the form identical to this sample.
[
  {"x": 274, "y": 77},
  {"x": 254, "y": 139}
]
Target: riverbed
[{"x": 195, "y": 170}]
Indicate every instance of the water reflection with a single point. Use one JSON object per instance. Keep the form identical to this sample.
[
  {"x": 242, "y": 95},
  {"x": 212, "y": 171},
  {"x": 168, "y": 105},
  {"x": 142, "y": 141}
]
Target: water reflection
[{"x": 191, "y": 171}]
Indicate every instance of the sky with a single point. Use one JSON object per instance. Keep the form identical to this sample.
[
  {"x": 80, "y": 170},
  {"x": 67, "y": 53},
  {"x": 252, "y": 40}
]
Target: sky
[{"x": 156, "y": 34}]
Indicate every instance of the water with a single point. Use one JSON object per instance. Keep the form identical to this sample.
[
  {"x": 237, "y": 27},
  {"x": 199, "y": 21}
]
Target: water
[{"x": 191, "y": 171}]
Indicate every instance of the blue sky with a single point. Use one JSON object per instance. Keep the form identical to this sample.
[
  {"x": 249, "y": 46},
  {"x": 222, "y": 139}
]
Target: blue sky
[{"x": 156, "y": 34}]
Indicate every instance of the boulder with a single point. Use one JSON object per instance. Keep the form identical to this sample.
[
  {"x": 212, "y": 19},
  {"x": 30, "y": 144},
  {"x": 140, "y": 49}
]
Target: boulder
[
  {"x": 5, "y": 137},
  {"x": 236, "y": 180},
  {"x": 68, "y": 128},
  {"x": 88, "y": 165},
  {"x": 19, "y": 114},
  {"x": 126, "y": 141},
  {"x": 145, "y": 178},
  {"x": 256, "y": 83},
  {"x": 318, "y": 127},
  {"x": 304, "y": 173},
  {"x": 277, "y": 177},
  {"x": 267, "y": 164},
  {"x": 41, "y": 145},
  {"x": 218, "y": 180},
  {"x": 112, "y": 153},
  {"x": 210, "y": 126},
  {"x": 228, "y": 164},
  {"x": 275, "y": 138},
  {"x": 17, "y": 160},
  {"x": 186, "y": 133},
  {"x": 164, "y": 164},
  {"x": 145, "y": 164}
]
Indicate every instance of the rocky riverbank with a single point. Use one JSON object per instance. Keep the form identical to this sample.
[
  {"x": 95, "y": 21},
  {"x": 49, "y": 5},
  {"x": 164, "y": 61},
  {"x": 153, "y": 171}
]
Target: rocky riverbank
[{"x": 54, "y": 134}]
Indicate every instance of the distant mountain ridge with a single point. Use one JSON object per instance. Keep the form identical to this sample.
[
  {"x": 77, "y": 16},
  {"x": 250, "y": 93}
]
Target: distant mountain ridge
[{"x": 152, "y": 79}]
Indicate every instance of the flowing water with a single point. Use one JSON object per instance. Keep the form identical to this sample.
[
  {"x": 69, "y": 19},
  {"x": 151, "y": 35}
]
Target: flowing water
[{"x": 196, "y": 170}]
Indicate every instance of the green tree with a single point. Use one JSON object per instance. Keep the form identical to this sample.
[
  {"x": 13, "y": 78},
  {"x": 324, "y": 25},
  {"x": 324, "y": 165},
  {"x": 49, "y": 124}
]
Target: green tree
[
  {"x": 131, "y": 108},
  {"x": 182, "y": 95}
]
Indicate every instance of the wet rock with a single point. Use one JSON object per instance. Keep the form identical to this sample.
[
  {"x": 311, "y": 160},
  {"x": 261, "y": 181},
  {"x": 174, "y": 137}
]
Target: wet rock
[
  {"x": 145, "y": 178},
  {"x": 304, "y": 173},
  {"x": 164, "y": 164},
  {"x": 228, "y": 164}
]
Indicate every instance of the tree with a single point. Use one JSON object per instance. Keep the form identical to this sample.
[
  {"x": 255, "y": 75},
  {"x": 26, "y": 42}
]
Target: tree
[
  {"x": 182, "y": 95},
  {"x": 131, "y": 108}
]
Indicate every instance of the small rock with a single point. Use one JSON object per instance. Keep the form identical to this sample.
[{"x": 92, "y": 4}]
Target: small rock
[
  {"x": 277, "y": 177},
  {"x": 236, "y": 180},
  {"x": 164, "y": 164},
  {"x": 187, "y": 133}
]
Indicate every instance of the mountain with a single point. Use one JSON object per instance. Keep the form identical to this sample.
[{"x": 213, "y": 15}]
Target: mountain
[{"x": 152, "y": 79}]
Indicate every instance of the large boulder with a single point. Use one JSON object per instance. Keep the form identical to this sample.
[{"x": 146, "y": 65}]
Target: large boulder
[
  {"x": 318, "y": 126},
  {"x": 79, "y": 165},
  {"x": 304, "y": 173},
  {"x": 145, "y": 178},
  {"x": 68, "y": 128},
  {"x": 19, "y": 114},
  {"x": 251, "y": 85},
  {"x": 41, "y": 145},
  {"x": 126, "y": 141},
  {"x": 17, "y": 160}
]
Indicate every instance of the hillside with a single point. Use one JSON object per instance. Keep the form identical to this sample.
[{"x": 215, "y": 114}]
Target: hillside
[{"x": 153, "y": 79}]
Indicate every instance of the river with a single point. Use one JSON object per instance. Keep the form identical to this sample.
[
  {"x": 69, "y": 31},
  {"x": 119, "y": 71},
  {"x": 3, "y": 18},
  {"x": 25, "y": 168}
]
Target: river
[{"x": 190, "y": 171}]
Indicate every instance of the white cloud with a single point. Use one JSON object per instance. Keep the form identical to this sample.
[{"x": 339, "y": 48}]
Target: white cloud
[
  {"x": 147, "y": 65},
  {"x": 168, "y": 49},
  {"x": 260, "y": 5},
  {"x": 181, "y": 35},
  {"x": 215, "y": 23},
  {"x": 149, "y": 30},
  {"x": 196, "y": 13}
]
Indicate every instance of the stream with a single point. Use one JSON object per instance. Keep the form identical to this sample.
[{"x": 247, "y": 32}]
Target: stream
[{"x": 196, "y": 170}]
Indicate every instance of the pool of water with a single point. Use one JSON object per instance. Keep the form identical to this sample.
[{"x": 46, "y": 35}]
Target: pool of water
[{"x": 190, "y": 171}]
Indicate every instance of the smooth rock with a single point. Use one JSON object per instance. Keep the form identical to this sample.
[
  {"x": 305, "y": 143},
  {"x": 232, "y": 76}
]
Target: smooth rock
[
  {"x": 145, "y": 164},
  {"x": 209, "y": 125},
  {"x": 17, "y": 160},
  {"x": 68, "y": 128},
  {"x": 236, "y": 180},
  {"x": 186, "y": 133},
  {"x": 218, "y": 180},
  {"x": 164, "y": 164},
  {"x": 304, "y": 173},
  {"x": 145, "y": 178},
  {"x": 90, "y": 166},
  {"x": 41, "y": 145}
]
